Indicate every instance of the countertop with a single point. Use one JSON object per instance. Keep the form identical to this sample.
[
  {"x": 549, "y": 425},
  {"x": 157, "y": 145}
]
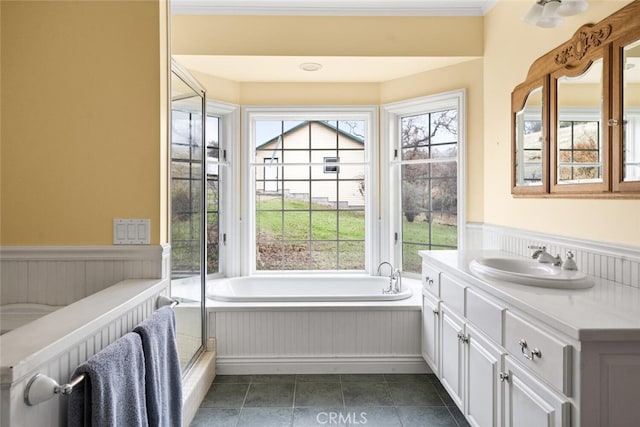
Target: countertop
[{"x": 605, "y": 312}]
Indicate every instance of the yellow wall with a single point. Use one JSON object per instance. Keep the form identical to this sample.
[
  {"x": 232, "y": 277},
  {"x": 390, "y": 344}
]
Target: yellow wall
[
  {"x": 510, "y": 47},
  {"x": 326, "y": 35},
  {"x": 84, "y": 105}
]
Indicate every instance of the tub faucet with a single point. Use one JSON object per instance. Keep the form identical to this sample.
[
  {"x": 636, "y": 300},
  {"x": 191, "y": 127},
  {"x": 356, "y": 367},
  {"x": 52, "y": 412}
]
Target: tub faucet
[
  {"x": 392, "y": 278},
  {"x": 545, "y": 257},
  {"x": 397, "y": 278}
]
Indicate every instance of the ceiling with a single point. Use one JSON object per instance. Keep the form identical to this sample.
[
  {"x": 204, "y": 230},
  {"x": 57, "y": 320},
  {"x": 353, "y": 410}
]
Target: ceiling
[{"x": 334, "y": 69}]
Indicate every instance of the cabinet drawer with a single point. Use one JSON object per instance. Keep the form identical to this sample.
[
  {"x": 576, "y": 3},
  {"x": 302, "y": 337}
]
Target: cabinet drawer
[
  {"x": 485, "y": 314},
  {"x": 431, "y": 279},
  {"x": 452, "y": 293},
  {"x": 538, "y": 350}
]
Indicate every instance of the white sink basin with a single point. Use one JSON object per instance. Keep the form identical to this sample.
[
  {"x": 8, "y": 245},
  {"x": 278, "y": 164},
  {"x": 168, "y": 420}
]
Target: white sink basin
[{"x": 530, "y": 273}]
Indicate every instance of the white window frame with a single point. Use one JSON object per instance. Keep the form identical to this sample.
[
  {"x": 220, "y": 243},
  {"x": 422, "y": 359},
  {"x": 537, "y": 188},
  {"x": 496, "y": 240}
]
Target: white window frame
[
  {"x": 250, "y": 115},
  {"x": 391, "y": 201},
  {"x": 229, "y": 174}
]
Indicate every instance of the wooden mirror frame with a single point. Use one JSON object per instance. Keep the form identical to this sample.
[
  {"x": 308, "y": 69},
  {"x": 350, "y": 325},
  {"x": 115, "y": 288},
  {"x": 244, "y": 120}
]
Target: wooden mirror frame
[
  {"x": 589, "y": 43},
  {"x": 519, "y": 99}
]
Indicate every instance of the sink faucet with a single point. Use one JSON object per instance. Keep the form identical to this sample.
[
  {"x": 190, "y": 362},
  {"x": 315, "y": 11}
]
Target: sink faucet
[
  {"x": 545, "y": 257},
  {"x": 395, "y": 278}
]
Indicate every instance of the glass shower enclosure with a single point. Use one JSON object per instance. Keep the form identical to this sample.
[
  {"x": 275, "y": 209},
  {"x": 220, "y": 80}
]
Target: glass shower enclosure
[{"x": 187, "y": 215}]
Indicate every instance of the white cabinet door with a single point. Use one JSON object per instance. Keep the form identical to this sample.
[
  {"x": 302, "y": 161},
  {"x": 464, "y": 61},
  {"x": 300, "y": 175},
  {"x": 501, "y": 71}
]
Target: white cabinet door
[
  {"x": 531, "y": 403},
  {"x": 430, "y": 326},
  {"x": 484, "y": 362},
  {"x": 451, "y": 353}
]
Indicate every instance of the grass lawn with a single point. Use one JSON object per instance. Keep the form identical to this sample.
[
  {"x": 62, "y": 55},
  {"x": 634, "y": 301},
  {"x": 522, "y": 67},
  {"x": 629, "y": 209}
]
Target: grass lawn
[{"x": 312, "y": 238}]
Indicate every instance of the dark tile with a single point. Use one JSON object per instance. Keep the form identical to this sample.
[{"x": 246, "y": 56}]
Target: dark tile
[
  {"x": 415, "y": 394},
  {"x": 234, "y": 379},
  {"x": 310, "y": 417},
  {"x": 318, "y": 394},
  {"x": 426, "y": 416},
  {"x": 407, "y": 378},
  {"x": 318, "y": 378},
  {"x": 269, "y": 395},
  {"x": 366, "y": 394},
  {"x": 457, "y": 415},
  {"x": 265, "y": 417},
  {"x": 274, "y": 379},
  {"x": 370, "y": 378},
  {"x": 225, "y": 396},
  {"x": 448, "y": 401},
  {"x": 214, "y": 417},
  {"x": 373, "y": 416}
]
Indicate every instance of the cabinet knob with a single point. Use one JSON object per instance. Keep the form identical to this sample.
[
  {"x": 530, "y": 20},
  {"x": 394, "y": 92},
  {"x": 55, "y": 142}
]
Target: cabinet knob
[
  {"x": 462, "y": 338},
  {"x": 534, "y": 353},
  {"x": 613, "y": 122},
  {"x": 436, "y": 312},
  {"x": 504, "y": 377},
  {"x": 428, "y": 280}
]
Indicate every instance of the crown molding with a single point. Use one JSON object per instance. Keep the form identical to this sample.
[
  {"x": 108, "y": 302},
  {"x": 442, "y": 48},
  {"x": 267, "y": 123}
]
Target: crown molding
[{"x": 333, "y": 7}]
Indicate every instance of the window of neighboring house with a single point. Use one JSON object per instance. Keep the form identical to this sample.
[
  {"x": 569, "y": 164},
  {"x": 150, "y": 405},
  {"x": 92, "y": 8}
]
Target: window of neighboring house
[
  {"x": 331, "y": 168},
  {"x": 306, "y": 214},
  {"x": 427, "y": 146}
]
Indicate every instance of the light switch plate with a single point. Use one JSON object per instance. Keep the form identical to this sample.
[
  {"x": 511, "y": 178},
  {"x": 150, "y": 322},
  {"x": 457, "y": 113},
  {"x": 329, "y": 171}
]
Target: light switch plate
[{"x": 131, "y": 231}]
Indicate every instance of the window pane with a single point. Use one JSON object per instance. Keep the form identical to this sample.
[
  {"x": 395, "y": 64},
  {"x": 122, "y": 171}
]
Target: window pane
[
  {"x": 308, "y": 203},
  {"x": 428, "y": 184}
]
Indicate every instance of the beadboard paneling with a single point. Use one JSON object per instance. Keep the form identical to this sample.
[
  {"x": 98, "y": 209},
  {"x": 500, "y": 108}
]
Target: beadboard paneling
[
  {"x": 301, "y": 340},
  {"x": 616, "y": 263},
  {"x": 60, "y": 366},
  {"x": 63, "y": 275}
]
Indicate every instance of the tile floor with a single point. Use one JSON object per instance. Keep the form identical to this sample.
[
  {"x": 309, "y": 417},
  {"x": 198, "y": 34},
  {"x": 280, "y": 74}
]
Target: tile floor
[{"x": 376, "y": 400}]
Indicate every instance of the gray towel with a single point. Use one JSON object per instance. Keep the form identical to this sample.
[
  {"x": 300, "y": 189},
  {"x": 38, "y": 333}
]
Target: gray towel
[
  {"x": 114, "y": 385},
  {"x": 163, "y": 376}
]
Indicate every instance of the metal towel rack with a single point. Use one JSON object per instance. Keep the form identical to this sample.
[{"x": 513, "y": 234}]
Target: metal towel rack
[{"x": 42, "y": 388}]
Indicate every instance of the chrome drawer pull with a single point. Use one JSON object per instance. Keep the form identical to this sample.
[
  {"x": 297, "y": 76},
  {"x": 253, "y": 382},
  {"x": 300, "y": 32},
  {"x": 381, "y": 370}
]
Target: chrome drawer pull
[
  {"x": 504, "y": 377},
  {"x": 534, "y": 353}
]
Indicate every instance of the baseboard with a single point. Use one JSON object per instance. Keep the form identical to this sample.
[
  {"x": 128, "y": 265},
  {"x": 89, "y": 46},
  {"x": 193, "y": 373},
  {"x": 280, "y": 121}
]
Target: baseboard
[
  {"x": 321, "y": 365},
  {"x": 196, "y": 384}
]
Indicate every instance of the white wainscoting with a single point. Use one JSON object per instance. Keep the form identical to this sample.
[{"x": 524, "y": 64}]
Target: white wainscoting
[
  {"x": 317, "y": 341},
  {"x": 61, "y": 275},
  {"x": 617, "y": 263},
  {"x": 93, "y": 323}
]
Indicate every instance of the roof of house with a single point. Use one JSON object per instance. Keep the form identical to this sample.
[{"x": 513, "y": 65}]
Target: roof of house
[{"x": 351, "y": 136}]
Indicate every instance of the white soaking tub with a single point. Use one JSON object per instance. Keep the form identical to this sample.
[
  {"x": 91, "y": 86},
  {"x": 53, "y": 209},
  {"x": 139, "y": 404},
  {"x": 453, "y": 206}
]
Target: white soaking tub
[
  {"x": 13, "y": 316},
  {"x": 304, "y": 288}
]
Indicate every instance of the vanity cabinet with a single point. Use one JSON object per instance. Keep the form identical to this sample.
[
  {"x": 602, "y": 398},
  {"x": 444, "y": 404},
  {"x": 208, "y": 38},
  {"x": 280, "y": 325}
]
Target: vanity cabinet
[
  {"x": 518, "y": 356},
  {"x": 528, "y": 402},
  {"x": 467, "y": 362}
]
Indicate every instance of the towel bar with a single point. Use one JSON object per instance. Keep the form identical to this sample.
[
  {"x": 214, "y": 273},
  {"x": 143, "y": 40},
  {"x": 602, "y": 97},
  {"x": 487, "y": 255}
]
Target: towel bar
[{"x": 42, "y": 388}]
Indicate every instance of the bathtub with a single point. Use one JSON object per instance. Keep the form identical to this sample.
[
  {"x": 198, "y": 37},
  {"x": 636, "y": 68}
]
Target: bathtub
[
  {"x": 56, "y": 343},
  {"x": 298, "y": 288},
  {"x": 13, "y": 316}
]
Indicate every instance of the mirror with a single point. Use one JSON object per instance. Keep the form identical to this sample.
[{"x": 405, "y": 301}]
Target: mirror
[
  {"x": 529, "y": 141},
  {"x": 631, "y": 112},
  {"x": 575, "y": 120},
  {"x": 579, "y": 142}
]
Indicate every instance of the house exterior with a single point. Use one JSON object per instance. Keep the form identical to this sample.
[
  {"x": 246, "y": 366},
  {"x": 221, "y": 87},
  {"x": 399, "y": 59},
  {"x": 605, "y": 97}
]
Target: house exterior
[{"x": 322, "y": 144}]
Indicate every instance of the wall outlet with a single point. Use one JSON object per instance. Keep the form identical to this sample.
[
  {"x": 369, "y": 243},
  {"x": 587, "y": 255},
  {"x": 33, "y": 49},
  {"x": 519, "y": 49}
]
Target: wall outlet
[{"x": 131, "y": 231}]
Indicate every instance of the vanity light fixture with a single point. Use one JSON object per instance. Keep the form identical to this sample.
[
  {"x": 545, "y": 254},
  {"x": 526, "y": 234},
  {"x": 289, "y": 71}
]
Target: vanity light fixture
[{"x": 549, "y": 13}]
